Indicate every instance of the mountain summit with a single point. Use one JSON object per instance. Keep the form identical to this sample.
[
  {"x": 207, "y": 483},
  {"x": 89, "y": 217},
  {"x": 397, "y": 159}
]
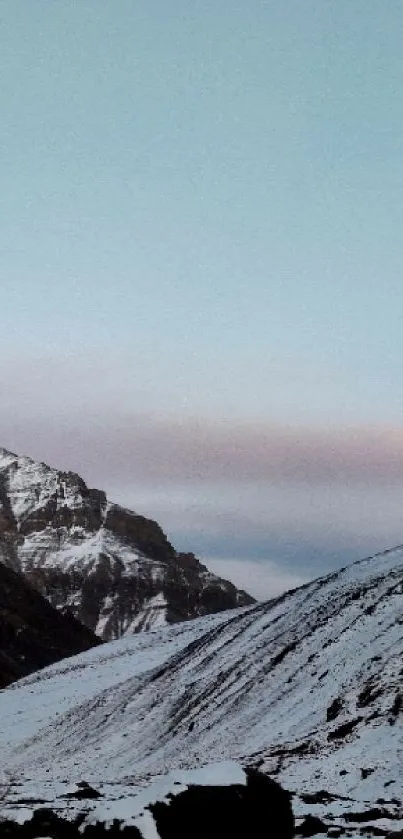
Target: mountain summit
[{"x": 115, "y": 570}]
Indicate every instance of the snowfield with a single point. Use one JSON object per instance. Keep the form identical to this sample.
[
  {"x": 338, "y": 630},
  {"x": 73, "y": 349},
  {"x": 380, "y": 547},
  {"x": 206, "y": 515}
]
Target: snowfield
[{"x": 308, "y": 686}]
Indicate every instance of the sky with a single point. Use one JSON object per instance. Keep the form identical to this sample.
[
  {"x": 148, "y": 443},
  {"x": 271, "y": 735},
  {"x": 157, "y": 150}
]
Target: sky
[{"x": 201, "y": 247}]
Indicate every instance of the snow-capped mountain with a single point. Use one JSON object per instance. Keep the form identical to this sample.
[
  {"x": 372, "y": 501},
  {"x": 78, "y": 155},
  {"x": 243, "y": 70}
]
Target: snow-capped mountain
[
  {"x": 308, "y": 686},
  {"x": 32, "y": 633},
  {"x": 115, "y": 570}
]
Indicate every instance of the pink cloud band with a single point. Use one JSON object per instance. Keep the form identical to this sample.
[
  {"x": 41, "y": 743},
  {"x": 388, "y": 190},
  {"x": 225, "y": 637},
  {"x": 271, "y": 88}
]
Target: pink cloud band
[{"x": 167, "y": 451}]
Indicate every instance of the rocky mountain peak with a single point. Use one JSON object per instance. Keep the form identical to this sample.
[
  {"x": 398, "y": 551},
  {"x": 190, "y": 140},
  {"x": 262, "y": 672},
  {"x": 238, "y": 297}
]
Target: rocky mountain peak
[{"x": 113, "y": 568}]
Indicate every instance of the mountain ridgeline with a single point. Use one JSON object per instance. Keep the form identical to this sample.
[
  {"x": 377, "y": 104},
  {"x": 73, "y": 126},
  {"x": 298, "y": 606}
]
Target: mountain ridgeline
[{"x": 114, "y": 570}]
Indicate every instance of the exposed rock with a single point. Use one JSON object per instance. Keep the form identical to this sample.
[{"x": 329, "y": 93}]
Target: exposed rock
[
  {"x": 32, "y": 633},
  {"x": 334, "y": 709},
  {"x": 370, "y": 815},
  {"x": 261, "y": 810},
  {"x": 366, "y": 772},
  {"x": 311, "y": 826},
  {"x": 344, "y": 730},
  {"x": 84, "y": 792}
]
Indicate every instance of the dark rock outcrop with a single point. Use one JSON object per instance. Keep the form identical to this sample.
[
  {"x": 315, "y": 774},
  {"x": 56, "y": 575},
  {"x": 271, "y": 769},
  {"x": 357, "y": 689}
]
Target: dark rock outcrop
[
  {"x": 32, "y": 633},
  {"x": 261, "y": 810},
  {"x": 311, "y": 826}
]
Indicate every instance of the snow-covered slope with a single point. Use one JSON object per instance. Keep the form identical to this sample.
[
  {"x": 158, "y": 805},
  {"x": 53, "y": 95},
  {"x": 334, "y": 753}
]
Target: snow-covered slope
[
  {"x": 309, "y": 685},
  {"x": 115, "y": 570}
]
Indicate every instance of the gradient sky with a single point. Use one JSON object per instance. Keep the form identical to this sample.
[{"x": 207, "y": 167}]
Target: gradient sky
[{"x": 200, "y": 258}]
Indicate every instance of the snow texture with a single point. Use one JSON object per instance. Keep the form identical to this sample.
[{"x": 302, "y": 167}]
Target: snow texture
[{"x": 308, "y": 686}]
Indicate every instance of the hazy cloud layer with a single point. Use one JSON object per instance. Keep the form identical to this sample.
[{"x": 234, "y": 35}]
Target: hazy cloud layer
[
  {"x": 262, "y": 580},
  {"x": 303, "y": 529},
  {"x": 301, "y": 500},
  {"x": 167, "y": 451},
  {"x": 307, "y": 500}
]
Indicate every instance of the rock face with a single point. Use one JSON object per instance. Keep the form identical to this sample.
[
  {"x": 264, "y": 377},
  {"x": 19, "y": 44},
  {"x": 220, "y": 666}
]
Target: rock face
[
  {"x": 115, "y": 570},
  {"x": 260, "y": 809},
  {"x": 33, "y": 633}
]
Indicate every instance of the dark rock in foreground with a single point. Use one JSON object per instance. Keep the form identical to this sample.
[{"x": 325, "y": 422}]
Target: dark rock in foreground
[{"x": 259, "y": 810}]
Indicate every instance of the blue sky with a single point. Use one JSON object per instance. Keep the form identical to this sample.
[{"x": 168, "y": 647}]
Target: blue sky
[{"x": 200, "y": 242}]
